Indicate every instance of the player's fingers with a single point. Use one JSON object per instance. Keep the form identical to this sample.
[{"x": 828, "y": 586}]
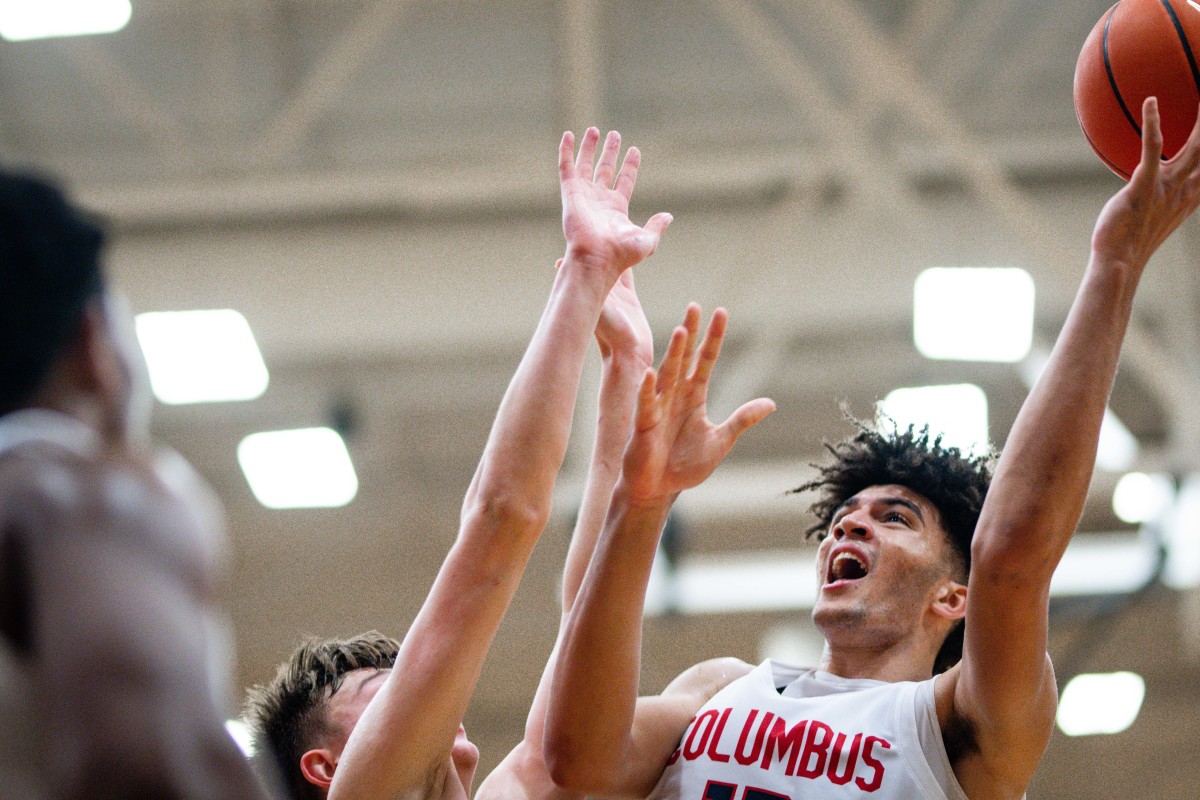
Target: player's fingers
[
  {"x": 691, "y": 323},
  {"x": 647, "y": 409},
  {"x": 657, "y": 225},
  {"x": 1146, "y": 172},
  {"x": 607, "y": 166},
  {"x": 566, "y": 155},
  {"x": 627, "y": 178},
  {"x": 672, "y": 363},
  {"x": 710, "y": 348},
  {"x": 746, "y": 417},
  {"x": 558, "y": 263},
  {"x": 587, "y": 152}
]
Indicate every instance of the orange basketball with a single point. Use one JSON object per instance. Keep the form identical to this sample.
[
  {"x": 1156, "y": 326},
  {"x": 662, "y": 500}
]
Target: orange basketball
[{"x": 1138, "y": 49}]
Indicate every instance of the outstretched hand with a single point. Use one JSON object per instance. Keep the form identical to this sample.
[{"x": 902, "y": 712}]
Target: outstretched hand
[
  {"x": 674, "y": 446},
  {"x": 1158, "y": 198},
  {"x": 596, "y": 205}
]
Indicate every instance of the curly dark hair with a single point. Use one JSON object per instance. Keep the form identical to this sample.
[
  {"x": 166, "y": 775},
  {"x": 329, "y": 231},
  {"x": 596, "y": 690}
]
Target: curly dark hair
[
  {"x": 287, "y": 715},
  {"x": 955, "y": 483},
  {"x": 49, "y": 269}
]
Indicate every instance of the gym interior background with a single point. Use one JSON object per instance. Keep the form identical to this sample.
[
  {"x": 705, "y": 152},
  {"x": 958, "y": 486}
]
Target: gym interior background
[{"x": 372, "y": 185}]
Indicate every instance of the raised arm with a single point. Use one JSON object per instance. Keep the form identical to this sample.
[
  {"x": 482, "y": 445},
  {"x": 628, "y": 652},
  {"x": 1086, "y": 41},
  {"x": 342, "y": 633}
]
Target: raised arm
[
  {"x": 599, "y": 738},
  {"x": 1004, "y": 687},
  {"x": 627, "y": 350},
  {"x": 404, "y": 739}
]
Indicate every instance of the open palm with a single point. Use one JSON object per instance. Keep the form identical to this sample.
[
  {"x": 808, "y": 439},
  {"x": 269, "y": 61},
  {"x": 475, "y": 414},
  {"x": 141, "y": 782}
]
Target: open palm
[
  {"x": 596, "y": 205},
  {"x": 674, "y": 445}
]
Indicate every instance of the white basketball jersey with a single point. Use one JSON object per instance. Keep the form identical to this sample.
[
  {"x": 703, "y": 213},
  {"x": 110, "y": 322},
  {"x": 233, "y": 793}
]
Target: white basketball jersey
[{"x": 822, "y": 737}]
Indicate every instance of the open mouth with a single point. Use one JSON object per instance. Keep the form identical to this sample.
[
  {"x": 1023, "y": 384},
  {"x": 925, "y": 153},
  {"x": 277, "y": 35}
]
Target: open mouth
[{"x": 846, "y": 566}]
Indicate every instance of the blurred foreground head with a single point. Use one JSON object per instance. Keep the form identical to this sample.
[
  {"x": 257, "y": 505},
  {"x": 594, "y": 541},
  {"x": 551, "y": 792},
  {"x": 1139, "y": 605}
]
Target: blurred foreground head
[{"x": 65, "y": 342}]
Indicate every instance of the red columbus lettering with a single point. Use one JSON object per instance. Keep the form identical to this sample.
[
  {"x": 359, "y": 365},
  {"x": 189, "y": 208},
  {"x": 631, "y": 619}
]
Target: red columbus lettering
[
  {"x": 816, "y": 750},
  {"x": 703, "y": 728},
  {"x": 716, "y": 738},
  {"x": 835, "y": 757},
  {"x": 739, "y": 753},
  {"x": 785, "y": 741},
  {"x": 877, "y": 779}
]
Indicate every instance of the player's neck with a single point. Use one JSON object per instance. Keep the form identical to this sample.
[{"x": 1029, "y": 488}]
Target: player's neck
[{"x": 906, "y": 660}]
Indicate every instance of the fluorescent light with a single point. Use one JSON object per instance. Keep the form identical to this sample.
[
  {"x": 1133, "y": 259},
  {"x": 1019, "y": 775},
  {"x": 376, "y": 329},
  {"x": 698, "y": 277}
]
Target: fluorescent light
[
  {"x": 958, "y": 412},
  {"x": 1140, "y": 497},
  {"x": 1182, "y": 535},
  {"x": 305, "y": 468},
  {"x": 1117, "y": 449},
  {"x": 240, "y": 733},
  {"x": 201, "y": 356},
  {"x": 21, "y": 20},
  {"x": 1100, "y": 703},
  {"x": 973, "y": 313}
]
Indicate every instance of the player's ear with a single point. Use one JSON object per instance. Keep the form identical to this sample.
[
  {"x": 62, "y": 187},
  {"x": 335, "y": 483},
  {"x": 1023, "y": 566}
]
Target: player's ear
[
  {"x": 950, "y": 602},
  {"x": 317, "y": 767}
]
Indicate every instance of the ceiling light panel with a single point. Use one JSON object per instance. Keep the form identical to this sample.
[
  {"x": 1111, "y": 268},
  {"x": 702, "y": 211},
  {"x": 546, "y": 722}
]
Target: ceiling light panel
[
  {"x": 958, "y": 412},
  {"x": 304, "y": 468},
  {"x": 201, "y": 356},
  {"x": 22, "y": 20},
  {"x": 973, "y": 313}
]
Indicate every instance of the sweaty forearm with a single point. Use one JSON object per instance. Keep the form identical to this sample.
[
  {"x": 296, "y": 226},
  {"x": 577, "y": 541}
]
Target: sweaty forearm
[{"x": 591, "y": 713}]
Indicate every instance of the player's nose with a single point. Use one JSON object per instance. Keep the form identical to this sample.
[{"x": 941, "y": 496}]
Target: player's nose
[{"x": 855, "y": 525}]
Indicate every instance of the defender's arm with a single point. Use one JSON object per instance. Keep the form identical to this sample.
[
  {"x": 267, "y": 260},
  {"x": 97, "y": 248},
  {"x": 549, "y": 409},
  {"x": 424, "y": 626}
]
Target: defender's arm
[{"x": 403, "y": 741}]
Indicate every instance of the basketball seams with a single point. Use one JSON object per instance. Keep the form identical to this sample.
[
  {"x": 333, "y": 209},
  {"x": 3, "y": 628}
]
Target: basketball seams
[
  {"x": 1183, "y": 41},
  {"x": 1112, "y": 79}
]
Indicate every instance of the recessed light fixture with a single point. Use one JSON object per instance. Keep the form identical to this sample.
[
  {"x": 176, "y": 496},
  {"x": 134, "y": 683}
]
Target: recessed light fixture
[
  {"x": 1139, "y": 497},
  {"x": 201, "y": 356},
  {"x": 22, "y": 20},
  {"x": 1100, "y": 703},
  {"x": 958, "y": 412},
  {"x": 973, "y": 313},
  {"x": 304, "y": 468}
]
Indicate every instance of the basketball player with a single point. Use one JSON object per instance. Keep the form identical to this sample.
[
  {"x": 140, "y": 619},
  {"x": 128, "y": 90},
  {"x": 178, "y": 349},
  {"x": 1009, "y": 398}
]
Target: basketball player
[
  {"x": 873, "y": 719},
  {"x": 365, "y": 719},
  {"x": 111, "y": 666}
]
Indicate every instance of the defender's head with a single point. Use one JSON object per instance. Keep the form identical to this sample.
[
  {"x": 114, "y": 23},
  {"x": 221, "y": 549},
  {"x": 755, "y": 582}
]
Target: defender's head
[
  {"x": 64, "y": 343},
  {"x": 303, "y": 717},
  {"x": 896, "y": 512}
]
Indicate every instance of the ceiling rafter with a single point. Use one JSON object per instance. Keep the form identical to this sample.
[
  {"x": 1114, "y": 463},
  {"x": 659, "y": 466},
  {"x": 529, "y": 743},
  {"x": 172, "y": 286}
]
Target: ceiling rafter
[
  {"x": 1024, "y": 56},
  {"x": 340, "y": 62},
  {"x": 956, "y": 64},
  {"x": 581, "y": 65},
  {"x": 126, "y": 93},
  {"x": 924, "y": 20},
  {"x": 888, "y": 183}
]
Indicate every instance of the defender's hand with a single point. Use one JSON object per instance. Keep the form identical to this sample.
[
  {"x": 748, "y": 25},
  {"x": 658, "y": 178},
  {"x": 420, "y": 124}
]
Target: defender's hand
[{"x": 596, "y": 220}]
